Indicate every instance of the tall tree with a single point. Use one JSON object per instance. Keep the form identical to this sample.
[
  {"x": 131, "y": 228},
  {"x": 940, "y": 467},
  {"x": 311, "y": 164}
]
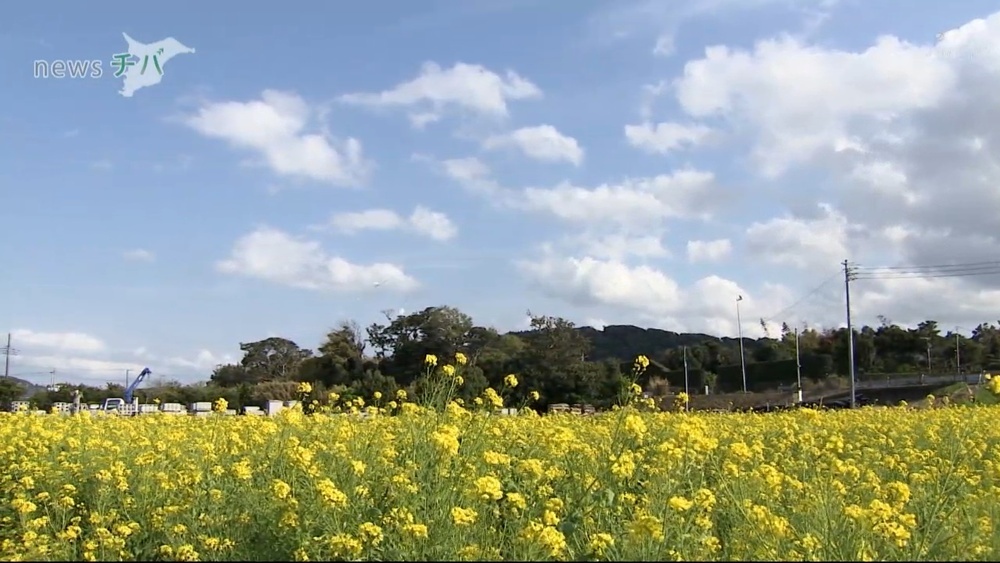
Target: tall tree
[{"x": 272, "y": 359}]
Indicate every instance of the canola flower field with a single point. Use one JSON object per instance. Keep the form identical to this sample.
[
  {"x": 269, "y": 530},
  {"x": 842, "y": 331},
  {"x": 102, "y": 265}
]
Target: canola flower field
[{"x": 460, "y": 484}]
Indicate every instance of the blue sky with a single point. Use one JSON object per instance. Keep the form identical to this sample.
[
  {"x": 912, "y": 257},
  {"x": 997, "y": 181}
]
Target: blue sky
[{"x": 131, "y": 220}]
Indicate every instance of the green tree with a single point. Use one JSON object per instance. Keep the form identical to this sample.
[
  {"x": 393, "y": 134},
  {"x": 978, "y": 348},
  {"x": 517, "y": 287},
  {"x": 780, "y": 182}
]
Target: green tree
[
  {"x": 10, "y": 391},
  {"x": 272, "y": 359}
]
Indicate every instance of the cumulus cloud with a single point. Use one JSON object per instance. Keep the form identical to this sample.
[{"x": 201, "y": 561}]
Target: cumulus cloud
[
  {"x": 422, "y": 221},
  {"x": 802, "y": 243},
  {"x": 275, "y": 256},
  {"x": 899, "y": 143},
  {"x": 79, "y": 357},
  {"x": 543, "y": 142},
  {"x": 139, "y": 255},
  {"x": 663, "y": 138},
  {"x": 466, "y": 88},
  {"x": 651, "y": 296},
  {"x": 281, "y": 131},
  {"x": 632, "y": 203},
  {"x": 63, "y": 341},
  {"x": 709, "y": 250}
]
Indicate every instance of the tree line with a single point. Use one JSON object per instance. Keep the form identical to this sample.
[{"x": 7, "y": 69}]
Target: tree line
[{"x": 562, "y": 362}]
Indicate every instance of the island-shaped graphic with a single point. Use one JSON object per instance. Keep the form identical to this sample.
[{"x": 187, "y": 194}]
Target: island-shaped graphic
[{"x": 145, "y": 63}]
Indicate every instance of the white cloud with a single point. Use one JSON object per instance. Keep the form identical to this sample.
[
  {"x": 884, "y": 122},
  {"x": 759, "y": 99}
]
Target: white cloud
[
  {"x": 619, "y": 246},
  {"x": 432, "y": 224},
  {"x": 632, "y": 203},
  {"x": 421, "y": 120},
  {"x": 472, "y": 174},
  {"x": 897, "y": 140},
  {"x": 628, "y": 205},
  {"x": 651, "y": 296},
  {"x": 423, "y": 221},
  {"x": 803, "y": 243},
  {"x": 69, "y": 368},
  {"x": 465, "y": 169},
  {"x": 542, "y": 142},
  {"x": 139, "y": 255},
  {"x": 906, "y": 130},
  {"x": 77, "y": 357},
  {"x": 802, "y": 100},
  {"x": 709, "y": 250},
  {"x": 650, "y": 93},
  {"x": 663, "y": 138},
  {"x": 276, "y": 129},
  {"x": 370, "y": 220},
  {"x": 275, "y": 256},
  {"x": 62, "y": 341},
  {"x": 203, "y": 362},
  {"x": 465, "y": 87},
  {"x": 609, "y": 282},
  {"x": 622, "y": 20}
]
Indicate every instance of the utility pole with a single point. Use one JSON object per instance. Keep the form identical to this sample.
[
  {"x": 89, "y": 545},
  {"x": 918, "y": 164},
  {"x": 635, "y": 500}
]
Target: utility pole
[
  {"x": 958, "y": 352},
  {"x": 798, "y": 365},
  {"x": 848, "y": 277},
  {"x": 686, "y": 389},
  {"x": 743, "y": 358},
  {"x": 7, "y": 352},
  {"x": 928, "y": 356}
]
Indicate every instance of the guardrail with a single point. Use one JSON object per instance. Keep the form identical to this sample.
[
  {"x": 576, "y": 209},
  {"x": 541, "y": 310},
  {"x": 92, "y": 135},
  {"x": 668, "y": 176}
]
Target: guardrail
[{"x": 969, "y": 378}]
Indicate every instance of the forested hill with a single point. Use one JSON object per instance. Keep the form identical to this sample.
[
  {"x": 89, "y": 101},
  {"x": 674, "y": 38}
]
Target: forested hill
[
  {"x": 568, "y": 364},
  {"x": 624, "y": 342}
]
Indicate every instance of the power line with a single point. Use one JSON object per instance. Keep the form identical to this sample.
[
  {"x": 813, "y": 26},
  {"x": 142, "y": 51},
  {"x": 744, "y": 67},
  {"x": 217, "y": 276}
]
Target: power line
[
  {"x": 811, "y": 292},
  {"x": 990, "y": 263},
  {"x": 987, "y": 268}
]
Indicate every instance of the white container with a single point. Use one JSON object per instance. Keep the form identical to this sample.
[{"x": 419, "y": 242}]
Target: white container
[
  {"x": 145, "y": 409},
  {"x": 274, "y": 407},
  {"x": 291, "y": 404},
  {"x": 249, "y": 410},
  {"x": 203, "y": 406},
  {"x": 172, "y": 407}
]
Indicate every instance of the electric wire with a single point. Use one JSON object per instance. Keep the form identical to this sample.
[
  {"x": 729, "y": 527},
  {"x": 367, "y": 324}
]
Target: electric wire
[
  {"x": 986, "y": 268},
  {"x": 802, "y": 299}
]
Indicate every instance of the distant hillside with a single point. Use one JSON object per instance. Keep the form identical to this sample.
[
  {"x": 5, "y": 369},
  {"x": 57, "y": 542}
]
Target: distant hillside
[
  {"x": 625, "y": 342},
  {"x": 29, "y": 387}
]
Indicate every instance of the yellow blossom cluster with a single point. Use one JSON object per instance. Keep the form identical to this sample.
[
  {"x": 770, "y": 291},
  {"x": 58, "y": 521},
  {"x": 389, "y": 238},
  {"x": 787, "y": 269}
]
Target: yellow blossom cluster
[{"x": 463, "y": 484}]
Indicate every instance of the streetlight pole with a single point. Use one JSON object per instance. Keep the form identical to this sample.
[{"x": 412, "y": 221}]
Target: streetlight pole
[
  {"x": 743, "y": 359},
  {"x": 798, "y": 365},
  {"x": 848, "y": 277},
  {"x": 687, "y": 390},
  {"x": 958, "y": 351}
]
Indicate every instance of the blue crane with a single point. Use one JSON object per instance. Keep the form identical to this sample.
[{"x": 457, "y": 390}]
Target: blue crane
[
  {"x": 135, "y": 384},
  {"x": 116, "y": 404}
]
